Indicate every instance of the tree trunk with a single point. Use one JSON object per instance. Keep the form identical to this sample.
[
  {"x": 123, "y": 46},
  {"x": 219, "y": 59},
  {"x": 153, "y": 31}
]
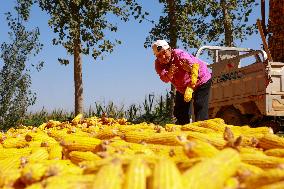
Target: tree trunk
[
  {"x": 77, "y": 61},
  {"x": 227, "y": 24},
  {"x": 173, "y": 44}
]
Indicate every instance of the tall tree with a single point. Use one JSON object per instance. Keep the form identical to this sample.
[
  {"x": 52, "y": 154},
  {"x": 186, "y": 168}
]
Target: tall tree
[
  {"x": 81, "y": 26},
  {"x": 15, "y": 80},
  {"x": 226, "y": 21}
]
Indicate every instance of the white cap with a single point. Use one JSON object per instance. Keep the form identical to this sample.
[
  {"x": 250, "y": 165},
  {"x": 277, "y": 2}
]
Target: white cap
[{"x": 158, "y": 45}]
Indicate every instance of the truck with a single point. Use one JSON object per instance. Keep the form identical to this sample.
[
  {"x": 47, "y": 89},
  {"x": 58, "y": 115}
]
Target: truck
[{"x": 247, "y": 88}]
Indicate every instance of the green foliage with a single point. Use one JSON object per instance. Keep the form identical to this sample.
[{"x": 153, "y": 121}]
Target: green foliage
[
  {"x": 89, "y": 20},
  {"x": 202, "y": 22},
  {"x": 153, "y": 110},
  {"x": 15, "y": 80}
]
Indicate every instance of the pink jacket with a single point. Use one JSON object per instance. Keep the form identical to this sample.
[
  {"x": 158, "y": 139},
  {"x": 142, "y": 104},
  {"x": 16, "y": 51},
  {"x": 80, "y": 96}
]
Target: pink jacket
[{"x": 182, "y": 78}]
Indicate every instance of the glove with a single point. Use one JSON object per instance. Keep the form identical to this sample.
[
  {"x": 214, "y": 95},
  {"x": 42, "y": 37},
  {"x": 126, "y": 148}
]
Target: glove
[
  {"x": 194, "y": 74},
  {"x": 188, "y": 94}
]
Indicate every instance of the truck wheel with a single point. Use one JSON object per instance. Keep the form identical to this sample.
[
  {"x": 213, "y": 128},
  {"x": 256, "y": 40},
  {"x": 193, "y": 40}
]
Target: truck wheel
[{"x": 231, "y": 116}]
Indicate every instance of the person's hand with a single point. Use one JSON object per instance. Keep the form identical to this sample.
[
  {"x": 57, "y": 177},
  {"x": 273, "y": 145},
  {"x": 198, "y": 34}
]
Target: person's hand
[
  {"x": 184, "y": 64},
  {"x": 172, "y": 70},
  {"x": 188, "y": 94}
]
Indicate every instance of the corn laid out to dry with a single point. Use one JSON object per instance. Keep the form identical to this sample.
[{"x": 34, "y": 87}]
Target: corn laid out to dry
[{"x": 105, "y": 153}]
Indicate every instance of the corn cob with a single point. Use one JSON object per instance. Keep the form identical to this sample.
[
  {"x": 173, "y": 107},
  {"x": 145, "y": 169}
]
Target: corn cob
[
  {"x": 187, "y": 164},
  {"x": 18, "y": 142},
  {"x": 277, "y": 152},
  {"x": 166, "y": 175},
  {"x": 171, "y": 138},
  {"x": 195, "y": 128},
  {"x": 276, "y": 185},
  {"x": 77, "y": 156},
  {"x": 246, "y": 169},
  {"x": 250, "y": 150},
  {"x": 198, "y": 148},
  {"x": 136, "y": 174},
  {"x": 245, "y": 130},
  {"x": 107, "y": 133},
  {"x": 39, "y": 136},
  {"x": 194, "y": 74},
  {"x": 9, "y": 178},
  {"x": 262, "y": 161},
  {"x": 77, "y": 143},
  {"x": 214, "y": 124},
  {"x": 33, "y": 172},
  {"x": 10, "y": 163},
  {"x": 10, "y": 152},
  {"x": 35, "y": 186},
  {"x": 264, "y": 178},
  {"x": 55, "y": 151},
  {"x": 38, "y": 154},
  {"x": 172, "y": 127},
  {"x": 213, "y": 172},
  {"x": 62, "y": 167},
  {"x": 215, "y": 139},
  {"x": 231, "y": 183},
  {"x": 112, "y": 173},
  {"x": 69, "y": 182},
  {"x": 77, "y": 119},
  {"x": 270, "y": 141}
]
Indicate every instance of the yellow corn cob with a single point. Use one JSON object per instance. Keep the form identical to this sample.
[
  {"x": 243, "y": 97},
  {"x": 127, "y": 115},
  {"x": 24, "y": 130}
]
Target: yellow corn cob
[
  {"x": 33, "y": 172},
  {"x": 78, "y": 143},
  {"x": 12, "y": 152},
  {"x": 170, "y": 138},
  {"x": 194, "y": 73},
  {"x": 77, "y": 156},
  {"x": 269, "y": 141},
  {"x": 216, "y": 139},
  {"x": 245, "y": 130},
  {"x": 172, "y": 127},
  {"x": 231, "y": 183},
  {"x": 195, "y": 128},
  {"x": 40, "y": 136},
  {"x": 277, "y": 152},
  {"x": 264, "y": 178},
  {"x": 77, "y": 119},
  {"x": 38, "y": 154},
  {"x": 55, "y": 151},
  {"x": 262, "y": 161},
  {"x": 276, "y": 185},
  {"x": 187, "y": 164},
  {"x": 250, "y": 150},
  {"x": 69, "y": 182},
  {"x": 136, "y": 174},
  {"x": 214, "y": 124},
  {"x": 107, "y": 133},
  {"x": 11, "y": 163},
  {"x": 61, "y": 167},
  {"x": 90, "y": 167},
  {"x": 8, "y": 178},
  {"x": 198, "y": 148},
  {"x": 166, "y": 175},
  {"x": 245, "y": 170},
  {"x": 35, "y": 186},
  {"x": 213, "y": 172},
  {"x": 18, "y": 142},
  {"x": 112, "y": 173}
]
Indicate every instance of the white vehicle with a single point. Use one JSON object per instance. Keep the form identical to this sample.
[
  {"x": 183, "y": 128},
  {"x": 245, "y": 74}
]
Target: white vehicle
[{"x": 252, "y": 94}]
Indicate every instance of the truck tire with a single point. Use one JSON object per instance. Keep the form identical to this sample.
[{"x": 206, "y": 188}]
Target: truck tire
[{"x": 231, "y": 116}]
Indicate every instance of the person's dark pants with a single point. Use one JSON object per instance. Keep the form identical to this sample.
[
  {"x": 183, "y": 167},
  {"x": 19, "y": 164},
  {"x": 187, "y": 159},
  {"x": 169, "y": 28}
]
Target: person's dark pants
[{"x": 182, "y": 109}]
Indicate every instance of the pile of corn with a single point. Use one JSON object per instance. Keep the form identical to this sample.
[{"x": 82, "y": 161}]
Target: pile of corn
[{"x": 104, "y": 153}]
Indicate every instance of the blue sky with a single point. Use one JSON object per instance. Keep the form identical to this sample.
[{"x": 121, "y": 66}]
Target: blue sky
[{"x": 125, "y": 76}]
